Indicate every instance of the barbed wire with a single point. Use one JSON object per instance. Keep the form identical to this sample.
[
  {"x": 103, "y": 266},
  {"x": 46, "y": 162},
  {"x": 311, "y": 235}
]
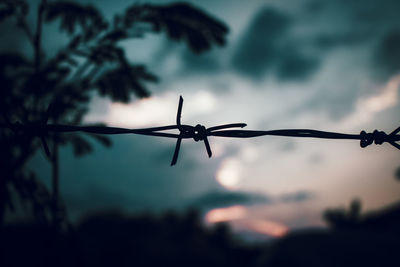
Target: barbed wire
[{"x": 201, "y": 133}]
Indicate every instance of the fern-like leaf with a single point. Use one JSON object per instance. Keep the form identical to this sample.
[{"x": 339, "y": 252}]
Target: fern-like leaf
[
  {"x": 73, "y": 15},
  {"x": 181, "y": 21},
  {"x": 118, "y": 83},
  {"x": 11, "y": 7}
]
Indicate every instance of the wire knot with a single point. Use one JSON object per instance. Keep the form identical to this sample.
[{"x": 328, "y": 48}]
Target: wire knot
[
  {"x": 379, "y": 137},
  {"x": 200, "y": 133}
]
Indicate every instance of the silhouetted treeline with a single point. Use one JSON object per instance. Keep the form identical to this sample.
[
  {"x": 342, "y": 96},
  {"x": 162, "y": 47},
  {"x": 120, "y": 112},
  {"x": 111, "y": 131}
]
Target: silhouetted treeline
[
  {"x": 115, "y": 239},
  {"x": 353, "y": 240}
]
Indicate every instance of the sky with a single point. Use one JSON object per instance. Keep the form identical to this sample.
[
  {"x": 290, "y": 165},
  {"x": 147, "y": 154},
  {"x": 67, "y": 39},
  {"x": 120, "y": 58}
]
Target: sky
[{"x": 324, "y": 65}]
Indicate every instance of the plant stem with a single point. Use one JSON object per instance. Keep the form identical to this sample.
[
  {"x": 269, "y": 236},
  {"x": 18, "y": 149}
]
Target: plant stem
[
  {"x": 38, "y": 35},
  {"x": 55, "y": 180},
  {"x": 3, "y": 198}
]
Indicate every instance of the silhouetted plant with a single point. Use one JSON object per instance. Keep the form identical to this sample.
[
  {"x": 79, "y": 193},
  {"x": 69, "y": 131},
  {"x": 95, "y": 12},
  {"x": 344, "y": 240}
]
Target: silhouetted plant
[
  {"x": 341, "y": 218},
  {"x": 57, "y": 89},
  {"x": 397, "y": 173}
]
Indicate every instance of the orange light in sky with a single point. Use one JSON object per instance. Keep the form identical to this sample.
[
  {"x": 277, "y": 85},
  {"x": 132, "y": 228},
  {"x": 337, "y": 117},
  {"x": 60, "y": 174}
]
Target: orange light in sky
[
  {"x": 226, "y": 214},
  {"x": 267, "y": 227},
  {"x": 237, "y": 215}
]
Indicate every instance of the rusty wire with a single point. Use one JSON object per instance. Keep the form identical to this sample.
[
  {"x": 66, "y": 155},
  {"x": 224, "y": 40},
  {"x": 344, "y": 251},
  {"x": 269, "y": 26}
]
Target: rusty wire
[{"x": 201, "y": 133}]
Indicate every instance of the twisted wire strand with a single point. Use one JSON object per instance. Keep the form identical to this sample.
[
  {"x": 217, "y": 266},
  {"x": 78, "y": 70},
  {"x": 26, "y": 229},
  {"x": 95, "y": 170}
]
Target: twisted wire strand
[{"x": 200, "y": 133}]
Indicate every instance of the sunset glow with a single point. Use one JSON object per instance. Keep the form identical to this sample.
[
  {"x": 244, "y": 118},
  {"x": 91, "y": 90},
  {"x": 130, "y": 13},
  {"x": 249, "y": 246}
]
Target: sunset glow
[
  {"x": 267, "y": 227},
  {"x": 240, "y": 217},
  {"x": 226, "y": 214}
]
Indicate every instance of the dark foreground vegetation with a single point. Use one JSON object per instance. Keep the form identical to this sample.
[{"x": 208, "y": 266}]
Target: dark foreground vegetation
[{"x": 114, "y": 239}]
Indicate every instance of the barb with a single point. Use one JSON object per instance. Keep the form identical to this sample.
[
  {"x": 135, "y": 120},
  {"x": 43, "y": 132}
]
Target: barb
[{"x": 199, "y": 132}]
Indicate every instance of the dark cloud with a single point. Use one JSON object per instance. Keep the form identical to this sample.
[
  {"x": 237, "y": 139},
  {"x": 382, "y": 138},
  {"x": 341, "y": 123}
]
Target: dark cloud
[
  {"x": 370, "y": 26},
  {"x": 200, "y": 63},
  {"x": 257, "y": 49},
  {"x": 267, "y": 47},
  {"x": 218, "y": 199},
  {"x": 387, "y": 57},
  {"x": 336, "y": 100},
  {"x": 314, "y": 7},
  {"x": 331, "y": 40},
  {"x": 188, "y": 62},
  {"x": 215, "y": 199},
  {"x": 297, "y": 196},
  {"x": 372, "y": 11},
  {"x": 296, "y": 66}
]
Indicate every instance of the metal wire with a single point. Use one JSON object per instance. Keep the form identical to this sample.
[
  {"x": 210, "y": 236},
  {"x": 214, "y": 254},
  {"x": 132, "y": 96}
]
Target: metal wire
[{"x": 201, "y": 133}]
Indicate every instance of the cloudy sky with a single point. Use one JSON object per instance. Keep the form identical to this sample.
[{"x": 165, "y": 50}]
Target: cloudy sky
[{"x": 325, "y": 65}]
